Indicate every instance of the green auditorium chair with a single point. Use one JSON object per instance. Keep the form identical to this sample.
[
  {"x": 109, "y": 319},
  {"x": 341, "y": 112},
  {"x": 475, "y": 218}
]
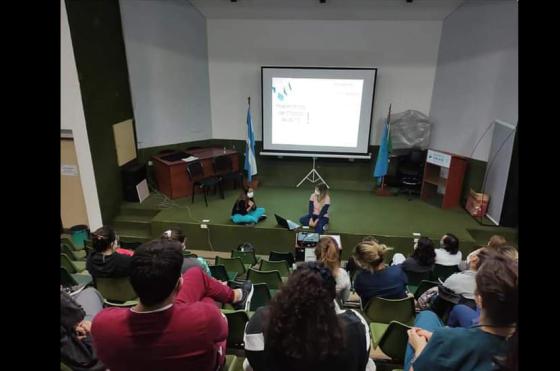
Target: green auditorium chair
[
  {"x": 414, "y": 279},
  {"x": 117, "y": 292},
  {"x": 236, "y": 329},
  {"x": 76, "y": 255},
  {"x": 443, "y": 271},
  {"x": 261, "y": 296},
  {"x": 219, "y": 272},
  {"x": 282, "y": 255},
  {"x": 72, "y": 266},
  {"x": 68, "y": 279},
  {"x": 394, "y": 340},
  {"x": 68, "y": 240},
  {"x": 231, "y": 265},
  {"x": 271, "y": 278},
  {"x": 280, "y": 266},
  {"x": 381, "y": 312},
  {"x": 247, "y": 257}
]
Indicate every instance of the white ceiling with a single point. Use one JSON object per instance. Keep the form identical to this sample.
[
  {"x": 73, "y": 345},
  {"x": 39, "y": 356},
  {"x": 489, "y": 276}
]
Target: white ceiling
[{"x": 332, "y": 9}]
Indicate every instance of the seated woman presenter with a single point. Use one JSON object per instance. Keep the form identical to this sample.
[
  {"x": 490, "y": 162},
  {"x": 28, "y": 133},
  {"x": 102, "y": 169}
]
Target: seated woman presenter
[
  {"x": 317, "y": 216},
  {"x": 245, "y": 210}
]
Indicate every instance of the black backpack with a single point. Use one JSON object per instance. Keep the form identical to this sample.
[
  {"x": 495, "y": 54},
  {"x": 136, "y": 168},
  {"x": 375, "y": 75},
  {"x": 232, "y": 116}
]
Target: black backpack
[{"x": 246, "y": 247}]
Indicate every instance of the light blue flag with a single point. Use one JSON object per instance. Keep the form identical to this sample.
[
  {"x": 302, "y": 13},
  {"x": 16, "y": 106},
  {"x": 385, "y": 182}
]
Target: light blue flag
[
  {"x": 382, "y": 161},
  {"x": 250, "y": 162}
]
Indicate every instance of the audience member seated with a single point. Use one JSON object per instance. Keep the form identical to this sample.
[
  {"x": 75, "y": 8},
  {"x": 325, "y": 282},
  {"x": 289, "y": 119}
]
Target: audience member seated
[
  {"x": 509, "y": 251},
  {"x": 245, "y": 210},
  {"x": 176, "y": 234},
  {"x": 104, "y": 261},
  {"x": 175, "y": 326},
  {"x": 376, "y": 279},
  {"x": 448, "y": 254},
  {"x": 317, "y": 216},
  {"x": 422, "y": 258},
  {"x": 76, "y": 312},
  {"x": 351, "y": 265},
  {"x": 434, "y": 347},
  {"x": 461, "y": 283},
  {"x": 300, "y": 329},
  {"x": 328, "y": 253},
  {"x": 494, "y": 243}
]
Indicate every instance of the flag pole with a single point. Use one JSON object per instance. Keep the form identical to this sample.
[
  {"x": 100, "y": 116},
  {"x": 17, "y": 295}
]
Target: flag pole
[{"x": 383, "y": 192}]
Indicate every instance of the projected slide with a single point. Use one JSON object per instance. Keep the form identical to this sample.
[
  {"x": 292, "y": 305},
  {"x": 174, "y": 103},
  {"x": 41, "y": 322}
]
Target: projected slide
[{"x": 316, "y": 112}]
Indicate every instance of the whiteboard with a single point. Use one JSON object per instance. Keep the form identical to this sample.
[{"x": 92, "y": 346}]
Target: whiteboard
[{"x": 497, "y": 168}]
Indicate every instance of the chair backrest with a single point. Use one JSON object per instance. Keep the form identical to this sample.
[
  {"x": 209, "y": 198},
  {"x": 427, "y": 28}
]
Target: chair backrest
[
  {"x": 444, "y": 271},
  {"x": 394, "y": 340},
  {"x": 280, "y": 255},
  {"x": 66, "y": 278},
  {"x": 416, "y": 156},
  {"x": 236, "y": 326},
  {"x": 65, "y": 249},
  {"x": 231, "y": 264},
  {"x": 261, "y": 296},
  {"x": 271, "y": 278},
  {"x": 222, "y": 164},
  {"x": 387, "y": 310},
  {"x": 247, "y": 257},
  {"x": 67, "y": 263},
  {"x": 195, "y": 170},
  {"x": 424, "y": 286},
  {"x": 115, "y": 289},
  {"x": 70, "y": 243},
  {"x": 219, "y": 272},
  {"x": 280, "y": 266},
  {"x": 414, "y": 278}
]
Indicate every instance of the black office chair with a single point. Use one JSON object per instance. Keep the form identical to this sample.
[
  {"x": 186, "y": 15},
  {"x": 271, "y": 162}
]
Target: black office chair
[
  {"x": 195, "y": 173},
  {"x": 224, "y": 168},
  {"x": 410, "y": 172}
]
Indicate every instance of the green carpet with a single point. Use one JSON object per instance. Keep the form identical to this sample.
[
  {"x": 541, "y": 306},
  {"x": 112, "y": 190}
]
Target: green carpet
[{"x": 354, "y": 214}]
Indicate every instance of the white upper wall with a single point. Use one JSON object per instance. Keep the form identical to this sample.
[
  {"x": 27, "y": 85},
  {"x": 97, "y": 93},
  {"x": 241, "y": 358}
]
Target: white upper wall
[
  {"x": 72, "y": 118},
  {"x": 167, "y": 58},
  {"x": 477, "y": 76},
  {"x": 405, "y": 53}
]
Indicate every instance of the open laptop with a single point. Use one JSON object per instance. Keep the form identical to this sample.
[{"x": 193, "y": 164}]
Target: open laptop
[{"x": 288, "y": 224}]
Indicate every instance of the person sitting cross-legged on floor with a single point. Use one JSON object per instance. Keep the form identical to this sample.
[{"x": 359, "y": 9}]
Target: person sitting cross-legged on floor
[
  {"x": 176, "y": 325},
  {"x": 245, "y": 210}
]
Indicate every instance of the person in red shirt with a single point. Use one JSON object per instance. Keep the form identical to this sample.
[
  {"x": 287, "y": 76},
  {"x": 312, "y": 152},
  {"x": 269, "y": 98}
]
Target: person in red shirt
[{"x": 175, "y": 326}]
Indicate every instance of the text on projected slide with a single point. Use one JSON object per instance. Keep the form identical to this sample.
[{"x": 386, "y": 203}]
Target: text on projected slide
[{"x": 316, "y": 112}]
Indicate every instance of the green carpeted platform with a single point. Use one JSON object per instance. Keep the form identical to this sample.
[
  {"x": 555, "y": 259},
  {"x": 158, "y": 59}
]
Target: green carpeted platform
[{"x": 354, "y": 214}]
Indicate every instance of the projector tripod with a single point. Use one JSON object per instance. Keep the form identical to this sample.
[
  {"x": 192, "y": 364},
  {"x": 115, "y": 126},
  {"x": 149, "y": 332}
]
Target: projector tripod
[{"x": 313, "y": 176}]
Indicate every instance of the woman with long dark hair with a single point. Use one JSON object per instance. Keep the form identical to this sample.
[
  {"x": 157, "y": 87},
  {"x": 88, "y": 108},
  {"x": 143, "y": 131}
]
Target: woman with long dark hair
[
  {"x": 245, "y": 210},
  {"x": 423, "y": 257},
  {"x": 300, "y": 329}
]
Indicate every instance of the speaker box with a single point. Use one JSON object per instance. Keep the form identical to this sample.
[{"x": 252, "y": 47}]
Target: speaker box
[{"x": 132, "y": 174}]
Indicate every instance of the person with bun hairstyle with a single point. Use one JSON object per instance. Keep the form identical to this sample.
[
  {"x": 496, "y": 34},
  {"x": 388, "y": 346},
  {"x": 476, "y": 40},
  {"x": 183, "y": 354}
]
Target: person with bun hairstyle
[
  {"x": 105, "y": 261},
  {"x": 434, "y": 347},
  {"x": 377, "y": 279},
  {"x": 448, "y": 254},
  {"x": 328, "y": 253}
]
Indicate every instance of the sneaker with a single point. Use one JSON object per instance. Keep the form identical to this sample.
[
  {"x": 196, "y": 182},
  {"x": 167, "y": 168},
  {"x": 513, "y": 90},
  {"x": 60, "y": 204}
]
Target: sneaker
[
  {"x": 262, "y": 217},
  {"x": 245, "y": 302}
]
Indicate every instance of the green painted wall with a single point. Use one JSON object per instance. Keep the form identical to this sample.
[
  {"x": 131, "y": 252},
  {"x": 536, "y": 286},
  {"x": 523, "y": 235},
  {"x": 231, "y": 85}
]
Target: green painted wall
[
  {"x": 96, "y": 31},
  {"x": 339, "y": 173}
]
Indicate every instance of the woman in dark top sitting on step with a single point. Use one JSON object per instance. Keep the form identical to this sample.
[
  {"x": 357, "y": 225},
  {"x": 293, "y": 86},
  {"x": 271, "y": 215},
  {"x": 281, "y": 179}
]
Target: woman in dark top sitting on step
[
  {"x": 377, "y": 279},
  {"x": 104, "y": 261},
  {"x": 422, "y": 259}
]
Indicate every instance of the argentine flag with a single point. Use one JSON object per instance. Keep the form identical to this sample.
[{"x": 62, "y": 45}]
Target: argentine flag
[{"x": 250, "y": 162}]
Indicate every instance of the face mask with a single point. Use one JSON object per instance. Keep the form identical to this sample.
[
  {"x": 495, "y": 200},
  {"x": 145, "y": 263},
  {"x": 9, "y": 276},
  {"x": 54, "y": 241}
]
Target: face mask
[
  {"x": 317, "y": 193},
  {"x": 250, "y": 194}
]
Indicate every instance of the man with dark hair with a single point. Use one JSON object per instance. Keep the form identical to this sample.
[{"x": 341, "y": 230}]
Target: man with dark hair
[{"x": 175, "y": 326}]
